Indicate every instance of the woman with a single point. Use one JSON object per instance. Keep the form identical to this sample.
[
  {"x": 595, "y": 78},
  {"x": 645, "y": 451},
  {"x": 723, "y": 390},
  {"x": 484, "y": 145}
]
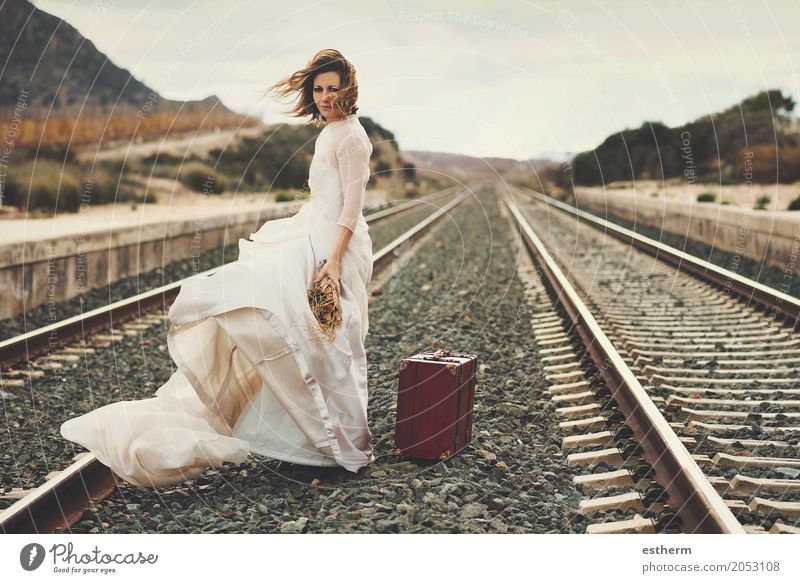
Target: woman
[{"x": 254, "y": 373}]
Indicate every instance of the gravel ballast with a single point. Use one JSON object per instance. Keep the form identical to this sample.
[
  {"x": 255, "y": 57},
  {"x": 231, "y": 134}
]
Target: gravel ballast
[
  {"x": 739, "y": 264},
  {"x": 460, "y": 292}
]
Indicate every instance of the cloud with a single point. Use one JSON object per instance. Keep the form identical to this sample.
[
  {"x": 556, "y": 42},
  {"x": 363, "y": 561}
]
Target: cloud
[{"x": 512, "y": 79}]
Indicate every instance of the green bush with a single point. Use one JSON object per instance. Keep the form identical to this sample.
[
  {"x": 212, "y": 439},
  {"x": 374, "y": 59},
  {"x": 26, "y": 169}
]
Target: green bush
[
  {"x": 729, "y": 178},
  {"x": 115, "y": 166},
  {"x": 284, "y": 197},
  {"x": 203, "y": 178},
  {"x": 164, "y": 171},
  {"x": 725, "y": 202},
  {"x": 706, "y": 197},
  {"x": 10, "y": 193},
  {"x": 794, "y": 205},
  {"x": 761, "y": 203},
  {"x": 48, "y": 186},
  {"x": 382, "y": 168},
  {"x": 100, "y": 187},
  {"x": 163, "y": 158}
]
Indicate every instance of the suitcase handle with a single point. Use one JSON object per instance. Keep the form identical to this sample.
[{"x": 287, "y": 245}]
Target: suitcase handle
[
  {"x": 437, "y": 355},
  {"x": 444, "y": 353}
]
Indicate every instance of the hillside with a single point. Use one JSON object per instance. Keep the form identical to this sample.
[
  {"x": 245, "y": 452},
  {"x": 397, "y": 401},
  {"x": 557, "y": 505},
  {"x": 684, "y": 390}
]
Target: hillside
[
  {"x": 752, "y": 140},
  {"x": 71, "y": 94},
  {"x": 57, "y": 66},
  {"x": 279, "y": 157}
]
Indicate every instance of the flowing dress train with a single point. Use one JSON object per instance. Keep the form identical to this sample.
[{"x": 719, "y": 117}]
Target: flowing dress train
[{"x": 253, "y": 372}]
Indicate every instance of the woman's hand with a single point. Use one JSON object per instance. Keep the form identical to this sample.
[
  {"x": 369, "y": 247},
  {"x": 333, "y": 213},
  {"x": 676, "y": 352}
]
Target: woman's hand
[{"x": 332, "y": 270}]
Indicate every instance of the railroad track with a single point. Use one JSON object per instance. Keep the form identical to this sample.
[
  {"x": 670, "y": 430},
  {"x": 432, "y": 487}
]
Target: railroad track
[
  {"x": 677, "y": 379},
  {"x": 641, "y": 467},
  {"x": 64, "y": 496}
]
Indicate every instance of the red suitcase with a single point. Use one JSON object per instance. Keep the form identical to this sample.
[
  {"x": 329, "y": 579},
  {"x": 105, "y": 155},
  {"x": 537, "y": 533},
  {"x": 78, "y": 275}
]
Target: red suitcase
[{"x": 434, "y": 404}]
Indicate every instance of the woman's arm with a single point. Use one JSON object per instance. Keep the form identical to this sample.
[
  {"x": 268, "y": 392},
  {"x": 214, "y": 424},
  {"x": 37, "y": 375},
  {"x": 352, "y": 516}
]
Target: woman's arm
[
  {"x": 332, "y": 267},
  {"x": 340, "y": 246},
  {"x": 353, "y": 158}
]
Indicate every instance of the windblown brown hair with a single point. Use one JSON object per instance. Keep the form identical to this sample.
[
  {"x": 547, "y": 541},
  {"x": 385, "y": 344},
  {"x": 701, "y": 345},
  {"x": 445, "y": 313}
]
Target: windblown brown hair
[{"x": 302, "y": 82}]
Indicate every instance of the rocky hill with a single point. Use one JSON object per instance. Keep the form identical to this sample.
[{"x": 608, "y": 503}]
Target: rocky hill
[
  {"x": 49, "y": 63},
  {"x": 754, "y": 140}
]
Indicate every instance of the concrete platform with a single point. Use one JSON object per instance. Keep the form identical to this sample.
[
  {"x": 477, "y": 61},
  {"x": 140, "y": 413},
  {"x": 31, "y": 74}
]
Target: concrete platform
[
  {"x": 53, "y": 259},
  {"x": 769, "y": 236}
]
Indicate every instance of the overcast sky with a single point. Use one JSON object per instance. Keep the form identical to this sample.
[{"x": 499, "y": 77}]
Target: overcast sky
[{"x": 505, "y": 78}]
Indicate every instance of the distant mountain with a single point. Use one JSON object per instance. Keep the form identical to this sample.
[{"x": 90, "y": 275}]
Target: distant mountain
[
  {"x": 49, "y": 62},
  {"x": 456, "y": 165},
  {"x": 462, "y": 167},
  {"x": 557, "y": 157}
]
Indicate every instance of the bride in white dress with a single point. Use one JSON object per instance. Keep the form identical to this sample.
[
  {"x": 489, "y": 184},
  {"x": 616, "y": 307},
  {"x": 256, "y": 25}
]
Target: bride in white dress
[{"x": 254, "y": 373}]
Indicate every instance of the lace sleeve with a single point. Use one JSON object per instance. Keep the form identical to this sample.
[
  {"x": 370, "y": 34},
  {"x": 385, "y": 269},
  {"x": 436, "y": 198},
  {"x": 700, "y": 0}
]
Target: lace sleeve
[{"x": 353, "y": 156}]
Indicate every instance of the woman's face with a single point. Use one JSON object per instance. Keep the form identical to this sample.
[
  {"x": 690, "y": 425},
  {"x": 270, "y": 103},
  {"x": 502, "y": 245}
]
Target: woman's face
[{"x": 325, "y": 85}]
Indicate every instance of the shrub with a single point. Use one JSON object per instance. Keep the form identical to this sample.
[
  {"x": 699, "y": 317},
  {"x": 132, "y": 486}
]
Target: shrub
[
  {"x": 163, "y": 171},
  {"x": 49, "y": 187},
  {"x": 729, "y": 178},
  {"x": 115, "y": 166},
  {"x": 383, "y": 168},
  {"x": 100, "y": 187},
  {"x": 794, "y": 205},
  {"x": 706, "y": 197},
  {"x": 11, "y": 193},
  {"x": 203, "y": 178},
  {"x": 761, "y": 203},
  {"x": 284, "y": 197},
  {"x": 163, "y": 158}
]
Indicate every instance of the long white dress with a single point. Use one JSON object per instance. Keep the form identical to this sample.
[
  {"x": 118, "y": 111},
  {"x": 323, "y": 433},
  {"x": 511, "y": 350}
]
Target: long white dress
[{"x": 254, "y": 373}]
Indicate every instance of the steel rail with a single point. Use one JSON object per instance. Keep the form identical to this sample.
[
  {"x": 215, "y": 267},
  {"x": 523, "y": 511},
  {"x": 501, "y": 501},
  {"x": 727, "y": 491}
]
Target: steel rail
[
  {"x": 701, "y": 508},
  {"x": 60, "y": 502},
  {"x": 775, "y": 302},
  {"x": 47, "y": 338}
]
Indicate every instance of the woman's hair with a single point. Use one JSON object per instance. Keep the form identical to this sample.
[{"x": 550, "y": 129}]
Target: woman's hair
[{"x": 302, "y": 82}]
